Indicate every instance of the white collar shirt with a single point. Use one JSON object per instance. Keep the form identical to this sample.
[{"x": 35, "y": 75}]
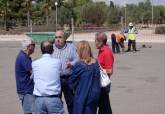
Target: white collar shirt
[{"x": 46, "y": 76}]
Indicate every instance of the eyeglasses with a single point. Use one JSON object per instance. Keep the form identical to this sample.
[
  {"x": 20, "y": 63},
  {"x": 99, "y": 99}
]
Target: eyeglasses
[
  {"x": 32, "y": 44},
  {"x": 58, "y": 37}
]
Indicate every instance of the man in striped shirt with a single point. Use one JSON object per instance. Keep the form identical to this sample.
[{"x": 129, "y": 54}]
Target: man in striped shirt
[{"x": 66, "y": 52}]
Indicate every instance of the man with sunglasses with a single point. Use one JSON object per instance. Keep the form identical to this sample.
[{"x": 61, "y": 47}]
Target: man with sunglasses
[
  {"x": 23, "y": 70},
  {"x": 66, "y": 52}
]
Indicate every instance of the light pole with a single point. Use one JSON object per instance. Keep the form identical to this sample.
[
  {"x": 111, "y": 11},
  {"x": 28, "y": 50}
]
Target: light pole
[
  {"x": 125, "y": 14},
  {"x": 56, "y": 3},
  {"x": 152, "y": 13}
]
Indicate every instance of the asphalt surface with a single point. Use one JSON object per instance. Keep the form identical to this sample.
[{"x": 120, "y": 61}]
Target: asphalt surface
[{"x": 138, "y": 81}]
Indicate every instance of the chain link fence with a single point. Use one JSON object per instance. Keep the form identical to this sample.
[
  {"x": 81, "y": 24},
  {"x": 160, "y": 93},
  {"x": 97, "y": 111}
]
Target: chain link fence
[{"x": 11, "y": 28}]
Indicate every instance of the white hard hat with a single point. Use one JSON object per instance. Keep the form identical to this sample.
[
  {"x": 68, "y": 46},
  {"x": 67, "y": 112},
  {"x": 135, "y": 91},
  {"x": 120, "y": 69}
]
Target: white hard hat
[{"x": 130, "y": 24}]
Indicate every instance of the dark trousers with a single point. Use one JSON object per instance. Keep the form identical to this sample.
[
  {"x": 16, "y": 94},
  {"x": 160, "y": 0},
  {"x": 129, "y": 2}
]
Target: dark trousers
[
  {"x": 115, "y": 45},
  {"x": 133, "y": 43},
  {"x": 104, "y": 103},
  {"x": 68, "y": 93}
]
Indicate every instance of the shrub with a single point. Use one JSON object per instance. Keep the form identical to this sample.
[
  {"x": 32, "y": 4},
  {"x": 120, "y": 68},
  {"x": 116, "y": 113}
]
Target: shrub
[{"x": 160, "y": 30}]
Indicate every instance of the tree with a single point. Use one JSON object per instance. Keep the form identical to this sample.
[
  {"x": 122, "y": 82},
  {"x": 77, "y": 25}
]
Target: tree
[
  {"x": 112, "y": 4},
  {"x": 159, "y": 14},
  {"x": 133, "y": 13},
  {"x": 46, "y": 8},
  {"x": 4, "y": 11},
  {"x": 145, "y": 9},
  {"x": 65, "y": 16},
  {"x": 20, "y": 12},
  {"x": 28, "y": 6},
  {"x": 94, "y": 13},
  {"x": 113, "y": 15},
  {"x": 75, "y": 7}
]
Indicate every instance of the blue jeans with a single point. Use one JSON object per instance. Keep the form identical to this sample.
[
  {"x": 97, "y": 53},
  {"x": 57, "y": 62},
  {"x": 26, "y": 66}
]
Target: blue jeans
[
  {"x": 27, "y": 102},
  {"x": 115, "y": 46},
  {"x": 48, "y": 105}
]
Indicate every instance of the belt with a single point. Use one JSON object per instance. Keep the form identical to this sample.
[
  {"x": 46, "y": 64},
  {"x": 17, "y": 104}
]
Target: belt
[
  {"x": 65, "y": 76},
  {"x": 49, "y": 96}
]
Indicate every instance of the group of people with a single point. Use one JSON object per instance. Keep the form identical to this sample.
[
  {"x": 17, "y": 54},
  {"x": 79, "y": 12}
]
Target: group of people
[
  {"x": 118, "y": 39},
  {"x": 64, "y": 69}
]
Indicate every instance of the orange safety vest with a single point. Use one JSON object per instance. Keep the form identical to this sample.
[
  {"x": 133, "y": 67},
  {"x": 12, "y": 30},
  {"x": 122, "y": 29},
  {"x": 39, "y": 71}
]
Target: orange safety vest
[{"x": 118, "y": 37}]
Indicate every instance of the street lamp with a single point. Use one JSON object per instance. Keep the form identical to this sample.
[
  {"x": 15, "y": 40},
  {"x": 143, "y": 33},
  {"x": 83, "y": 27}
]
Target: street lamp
[
  {"x": 56, "y": 3},
  {"x": 30, "y": 22},
  {"x": 152, "y": 13},
  {"x": 125, "y": 14}
]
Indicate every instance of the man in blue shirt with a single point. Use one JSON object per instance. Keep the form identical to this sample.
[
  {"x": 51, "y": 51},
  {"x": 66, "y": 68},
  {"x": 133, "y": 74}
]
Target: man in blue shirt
[
  {"x": 23, "y": 71},
  {"x": 66, "y": 52},
  {"x": 47, "y": 86}
]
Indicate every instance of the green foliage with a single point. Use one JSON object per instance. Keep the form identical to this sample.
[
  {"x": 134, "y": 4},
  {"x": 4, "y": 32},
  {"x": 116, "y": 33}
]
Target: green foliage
[
  {"x": 94, "y": 13},
  {"x": 113, "y": 16},
  {"x": 159, "y": 14},
  {"x": 42, "y": 12},
  {"x": 64, "y": 16}
]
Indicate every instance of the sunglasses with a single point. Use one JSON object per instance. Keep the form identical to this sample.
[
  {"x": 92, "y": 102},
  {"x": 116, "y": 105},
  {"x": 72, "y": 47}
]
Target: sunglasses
[
  {"x": 32, "y": 44},
  {"x": 58, "y": 37}
]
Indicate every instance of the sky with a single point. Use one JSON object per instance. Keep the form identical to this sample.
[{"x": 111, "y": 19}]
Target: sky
[{"x": 122, "y": 2}]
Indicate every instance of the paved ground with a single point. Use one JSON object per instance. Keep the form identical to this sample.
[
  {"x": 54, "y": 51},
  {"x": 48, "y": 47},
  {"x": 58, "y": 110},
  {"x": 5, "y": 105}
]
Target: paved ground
[
  {"x": 144, "y": 35},
  {"x": 137, "y": 84}
]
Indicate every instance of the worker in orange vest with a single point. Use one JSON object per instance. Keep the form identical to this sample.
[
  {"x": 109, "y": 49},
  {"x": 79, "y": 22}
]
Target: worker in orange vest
[{"x": 118, "y": 40}]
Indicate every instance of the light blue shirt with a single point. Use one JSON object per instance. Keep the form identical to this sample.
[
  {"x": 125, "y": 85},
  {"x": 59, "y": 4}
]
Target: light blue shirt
[
  {"x": 67, "y": 53},
  {"x": 46, "y": 75}
]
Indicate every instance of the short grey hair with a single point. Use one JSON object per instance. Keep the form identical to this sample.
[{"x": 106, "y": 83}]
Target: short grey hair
[
  {"x": 26, "y": 42},
  {"x": 101, "y": 37}
]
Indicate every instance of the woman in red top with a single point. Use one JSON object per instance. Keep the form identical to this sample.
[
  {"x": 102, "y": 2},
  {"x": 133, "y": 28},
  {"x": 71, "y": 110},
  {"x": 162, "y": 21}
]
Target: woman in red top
[{"x": 106, "y": 60}]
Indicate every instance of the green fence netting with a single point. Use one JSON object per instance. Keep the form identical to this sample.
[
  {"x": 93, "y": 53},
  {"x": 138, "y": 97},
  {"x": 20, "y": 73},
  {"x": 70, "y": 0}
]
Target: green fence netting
[{"x": 41, "y": 36}]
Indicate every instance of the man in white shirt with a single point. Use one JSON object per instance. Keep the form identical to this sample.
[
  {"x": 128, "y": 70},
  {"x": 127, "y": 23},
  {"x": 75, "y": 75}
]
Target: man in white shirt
[{"x": 47, "y": 86}]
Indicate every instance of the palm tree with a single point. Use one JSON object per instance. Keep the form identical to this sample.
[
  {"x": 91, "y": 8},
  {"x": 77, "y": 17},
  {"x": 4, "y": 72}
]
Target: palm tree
[{"x": 46, "y": 7}]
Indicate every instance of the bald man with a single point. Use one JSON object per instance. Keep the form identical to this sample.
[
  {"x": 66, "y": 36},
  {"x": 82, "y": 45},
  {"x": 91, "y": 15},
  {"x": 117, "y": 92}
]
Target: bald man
[{"x": 66, "y": 52}]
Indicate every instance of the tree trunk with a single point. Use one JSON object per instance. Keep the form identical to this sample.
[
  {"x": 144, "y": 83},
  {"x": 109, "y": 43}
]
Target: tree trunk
[
  {"x": 5, "y": 16},
  {"x": 28, "y": 18},
  {"x": 47, "y": 20}
]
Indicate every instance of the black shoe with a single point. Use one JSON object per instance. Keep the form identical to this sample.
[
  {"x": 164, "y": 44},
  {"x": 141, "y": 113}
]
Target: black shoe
[{"x": 127, "y": 51}]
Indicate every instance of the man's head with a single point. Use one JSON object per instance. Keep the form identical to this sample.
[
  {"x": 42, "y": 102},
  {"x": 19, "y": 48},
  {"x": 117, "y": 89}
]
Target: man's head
[
  {"x": 130, "y": 25},
  {"x": 113, "y": 36},
  {"x": 28, "y": 45},
  {"x": 60, "y": 39},
  {"x": 100, "y": 39},
  {"x": 47, "y": 47}
]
